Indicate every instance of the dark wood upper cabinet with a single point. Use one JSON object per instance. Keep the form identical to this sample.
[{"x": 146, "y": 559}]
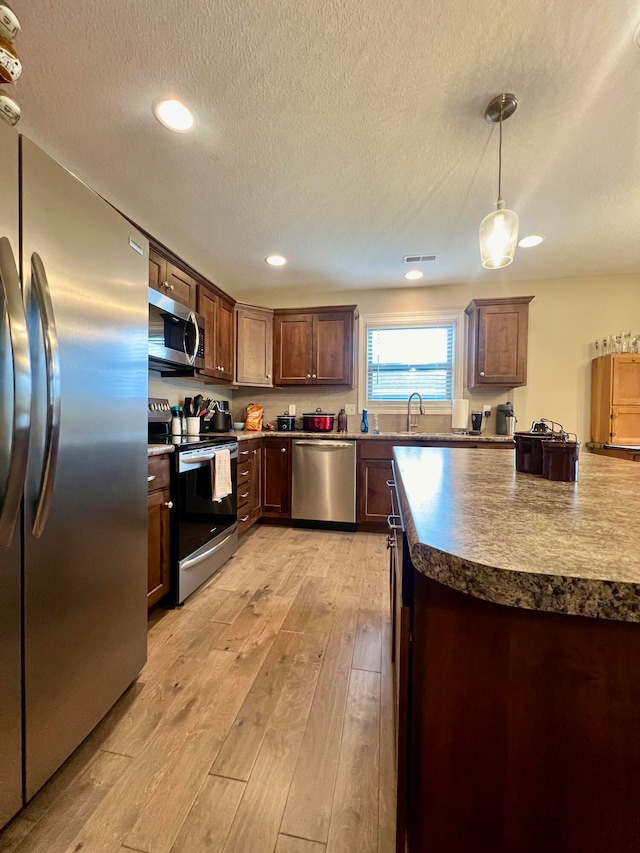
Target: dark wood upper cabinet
[
  {"x": 254, "y": 346},
  {"x": 224, "y": 338},
  {"x": 217, "y": 311},
  {"x": 497, "y": 342},
  {"x": 167, "y": 278},
  {"x": 314, "y": 347}
]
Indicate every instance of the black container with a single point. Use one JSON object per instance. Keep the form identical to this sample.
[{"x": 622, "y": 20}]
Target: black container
[
  {"x": 286, "y": 423},
  {"x": 529, "y": 451},
  {"x": 220, "y": 422},
  {"x": 560, "y": 460}
]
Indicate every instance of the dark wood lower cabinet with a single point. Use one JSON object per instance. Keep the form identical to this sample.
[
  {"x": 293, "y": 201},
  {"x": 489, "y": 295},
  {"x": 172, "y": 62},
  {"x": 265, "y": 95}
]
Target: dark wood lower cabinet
[
  {"x": 521, "y": 727},
  {"x": 276, "y": 478},
  {"x": 158, "y": 530},
  {"x": 255, "y": 503},
  {"x": 249, "y": 484},
  {"x": 374, "y": 470}
]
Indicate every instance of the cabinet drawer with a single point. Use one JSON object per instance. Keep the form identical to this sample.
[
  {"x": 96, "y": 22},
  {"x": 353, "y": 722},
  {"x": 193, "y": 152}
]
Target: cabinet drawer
[
  {"x": 244, "y": 475},
  {"x": 244, "y": 493},
  {"x": 244, "y": 518},
  {"x": 158, "y": 473}
]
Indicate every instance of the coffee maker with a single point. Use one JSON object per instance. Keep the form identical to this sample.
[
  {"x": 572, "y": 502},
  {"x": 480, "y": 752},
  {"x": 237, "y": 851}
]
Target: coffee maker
[{"x": 503, "y": 411}]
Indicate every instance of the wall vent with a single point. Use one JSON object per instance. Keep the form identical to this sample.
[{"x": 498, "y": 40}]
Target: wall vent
[{"x": 418, "y": 259}]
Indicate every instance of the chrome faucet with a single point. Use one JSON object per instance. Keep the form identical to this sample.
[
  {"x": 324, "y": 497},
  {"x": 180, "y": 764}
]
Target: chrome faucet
[{"x": 411, "y": 396}]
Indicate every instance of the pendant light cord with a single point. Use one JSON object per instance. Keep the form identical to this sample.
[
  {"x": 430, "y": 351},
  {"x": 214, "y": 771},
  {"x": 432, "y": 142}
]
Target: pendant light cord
[{"x": 500, "y": 157}]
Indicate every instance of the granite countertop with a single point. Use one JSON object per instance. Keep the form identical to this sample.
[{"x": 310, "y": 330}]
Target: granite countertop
[
  {"x": 383, "y": 436},
  {"x": 475, "y": 524},
  {"x": 159, "y": 449}
]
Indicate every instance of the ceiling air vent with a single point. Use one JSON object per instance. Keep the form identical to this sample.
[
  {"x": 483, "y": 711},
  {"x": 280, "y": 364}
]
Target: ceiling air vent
[{"x": 418, "y": 259}]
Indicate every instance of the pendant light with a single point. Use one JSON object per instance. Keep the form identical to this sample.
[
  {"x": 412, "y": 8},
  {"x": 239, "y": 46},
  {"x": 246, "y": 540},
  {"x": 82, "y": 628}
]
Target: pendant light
[{"x": 499, "y": 229}]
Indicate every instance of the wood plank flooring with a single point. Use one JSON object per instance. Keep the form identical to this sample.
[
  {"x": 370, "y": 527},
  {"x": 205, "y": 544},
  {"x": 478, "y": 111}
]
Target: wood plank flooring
[{"x": 261, "y": 723}]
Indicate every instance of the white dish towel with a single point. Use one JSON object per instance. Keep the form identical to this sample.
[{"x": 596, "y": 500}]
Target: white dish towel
[{"x": 221, "y": 474}]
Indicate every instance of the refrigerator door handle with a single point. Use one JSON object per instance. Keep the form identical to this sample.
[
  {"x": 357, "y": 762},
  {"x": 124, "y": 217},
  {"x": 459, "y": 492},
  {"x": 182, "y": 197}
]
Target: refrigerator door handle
[
  {"x": 11, "y": 295},
  {"x": 52, "y": 361}
]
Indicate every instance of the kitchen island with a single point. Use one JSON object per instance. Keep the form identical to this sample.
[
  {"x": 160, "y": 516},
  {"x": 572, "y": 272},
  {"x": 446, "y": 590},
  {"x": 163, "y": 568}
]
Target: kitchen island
[{"x": 517, "y": 651}]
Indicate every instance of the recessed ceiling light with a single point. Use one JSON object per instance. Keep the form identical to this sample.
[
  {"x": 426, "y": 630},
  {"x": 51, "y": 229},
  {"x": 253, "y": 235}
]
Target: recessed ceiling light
[
  {"x": 174, "y": 115},
  {"x": 413, "y": 275},
  {"x": 528, "y": 242},
  {"x": 276, "y": 260}
]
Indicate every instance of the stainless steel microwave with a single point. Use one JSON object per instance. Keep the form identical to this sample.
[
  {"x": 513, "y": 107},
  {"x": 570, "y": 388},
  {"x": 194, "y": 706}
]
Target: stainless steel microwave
[{"x": 176, "y": 334}]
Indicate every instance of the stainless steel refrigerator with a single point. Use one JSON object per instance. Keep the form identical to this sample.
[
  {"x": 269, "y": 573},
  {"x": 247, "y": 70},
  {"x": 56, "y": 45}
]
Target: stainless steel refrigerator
[{"x": 73, "y": 463}]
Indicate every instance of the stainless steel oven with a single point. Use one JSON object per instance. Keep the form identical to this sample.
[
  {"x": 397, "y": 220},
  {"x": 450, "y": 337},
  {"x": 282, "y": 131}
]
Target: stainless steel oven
[{"x": 204, "y": 531}]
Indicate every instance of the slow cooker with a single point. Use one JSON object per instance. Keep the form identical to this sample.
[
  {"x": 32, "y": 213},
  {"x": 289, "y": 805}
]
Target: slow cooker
[
  {"x": 286, "y": 423},
  {"x": 318, "y": 421}
]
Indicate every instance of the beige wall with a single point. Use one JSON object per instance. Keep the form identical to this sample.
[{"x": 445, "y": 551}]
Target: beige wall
[{"x": 565, "y": 317}]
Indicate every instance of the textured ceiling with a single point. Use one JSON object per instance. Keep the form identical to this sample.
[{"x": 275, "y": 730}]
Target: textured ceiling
[{"x": 345, "y": 135}]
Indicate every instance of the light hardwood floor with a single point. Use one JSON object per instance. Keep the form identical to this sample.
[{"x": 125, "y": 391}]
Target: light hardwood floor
[{"x": 262, "y": 722}]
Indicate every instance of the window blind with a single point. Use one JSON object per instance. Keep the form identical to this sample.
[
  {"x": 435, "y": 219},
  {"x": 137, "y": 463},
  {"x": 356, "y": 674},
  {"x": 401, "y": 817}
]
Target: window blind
[{"x": 404, "y": 359}]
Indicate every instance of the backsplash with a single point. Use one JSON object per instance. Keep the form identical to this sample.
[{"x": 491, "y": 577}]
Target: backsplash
[{"x": 276, "y": 402}]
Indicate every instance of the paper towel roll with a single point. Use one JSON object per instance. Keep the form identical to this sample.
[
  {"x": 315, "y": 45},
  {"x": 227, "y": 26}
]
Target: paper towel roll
[{"x": 460, "y": 414}]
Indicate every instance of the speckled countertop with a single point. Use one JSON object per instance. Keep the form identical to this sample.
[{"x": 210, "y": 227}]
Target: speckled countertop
[
  {"x": 159, "y": 449},
  {"x": 384, "y": 436},
  {"x": 475, "y": 524}
]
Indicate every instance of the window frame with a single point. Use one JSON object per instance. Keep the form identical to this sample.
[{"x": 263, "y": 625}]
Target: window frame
[{"x": 453, "y": 317}]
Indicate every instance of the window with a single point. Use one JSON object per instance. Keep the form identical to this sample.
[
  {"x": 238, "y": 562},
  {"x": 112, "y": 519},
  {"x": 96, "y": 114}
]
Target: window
[{"x": 403, "y": 353}]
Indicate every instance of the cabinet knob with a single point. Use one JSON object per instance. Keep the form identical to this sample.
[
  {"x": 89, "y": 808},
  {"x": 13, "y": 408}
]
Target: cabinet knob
[
  {"x": 283, "y": 450},
  {"x": 313, "y": 376},
  {"x": 308, "y": 376},
  {"x": 244, "y": 518},
  {"x": 268, "y": 376},
  {"x": 169, "y": 504},
  {"x": 151, "y": 478},
  {"x": 482, "y": 373},
  {"x": 254, "y": 452},
  {"x": 245, "y": 495}
]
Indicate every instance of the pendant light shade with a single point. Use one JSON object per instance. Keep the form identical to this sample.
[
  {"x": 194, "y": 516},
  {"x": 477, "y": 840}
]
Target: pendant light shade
[
  {"x": 499, "y": 229},
  {"x": 498, "y": 238}
]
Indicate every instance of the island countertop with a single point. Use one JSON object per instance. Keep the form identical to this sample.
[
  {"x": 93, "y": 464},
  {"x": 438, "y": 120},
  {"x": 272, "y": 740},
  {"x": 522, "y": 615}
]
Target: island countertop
[{"x": 475, "y": 524}]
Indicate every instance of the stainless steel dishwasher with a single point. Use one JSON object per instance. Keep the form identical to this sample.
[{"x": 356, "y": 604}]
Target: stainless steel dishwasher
[{"x": 324, "y": 481}]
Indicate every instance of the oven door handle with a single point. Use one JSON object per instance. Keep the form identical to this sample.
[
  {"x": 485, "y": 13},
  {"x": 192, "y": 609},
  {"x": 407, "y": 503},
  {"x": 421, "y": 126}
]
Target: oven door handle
[{"x": 189, "y": 564}]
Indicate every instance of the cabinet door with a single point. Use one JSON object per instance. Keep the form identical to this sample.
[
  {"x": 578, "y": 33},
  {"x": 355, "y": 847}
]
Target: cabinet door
[
  {"x": 497, "y": 342},
  {"x": 254, "y": 346},
  {"x": 502, "y": 349},
  {"x": 332, "y": 349},
  {"x": 181, "y": 286},
  {"x": 625, "y": 425},
  {"x": 293, "y": 349},
  {"x": 157, "y": 271},
  {"x": 207, "y": 307},
  {"x": 256, "y": 484},
  {"x": 373, "y": 493},
  {"x": 224, "y": 339},
  {"x": 626, "y": 380},
  {"x": 158, "y": 582},
  {"x": 276, "y": 478}
]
